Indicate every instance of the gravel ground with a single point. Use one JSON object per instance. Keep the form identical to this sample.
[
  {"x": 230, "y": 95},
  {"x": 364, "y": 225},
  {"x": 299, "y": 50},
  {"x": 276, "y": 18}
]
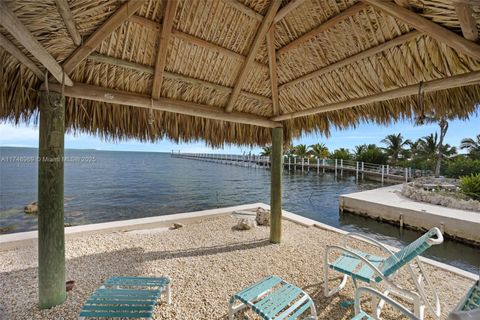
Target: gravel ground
[{"x": 207, "y": 262}]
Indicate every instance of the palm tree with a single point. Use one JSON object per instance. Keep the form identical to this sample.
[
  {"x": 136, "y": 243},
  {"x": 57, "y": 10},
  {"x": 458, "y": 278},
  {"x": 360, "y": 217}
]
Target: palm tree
[
  {"x": 266, "y": 152},
  {"x": 472, "y": 146},
  {"x": 341, "y": 153},
  {"x": 301, "y": 151},
  {"x": 319, "y": 150},
  {"x": 359, "y": 150},
  {"x": 429, "y": 147},
  {"x": 370, "y": 154},
  {"x": 395, "y": 145},
  {"x": 442, "y": 121}
]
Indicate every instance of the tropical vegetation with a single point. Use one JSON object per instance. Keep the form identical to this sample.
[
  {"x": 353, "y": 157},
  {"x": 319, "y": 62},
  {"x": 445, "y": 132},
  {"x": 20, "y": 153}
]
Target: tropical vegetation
[{"x": 428, "y": 153}]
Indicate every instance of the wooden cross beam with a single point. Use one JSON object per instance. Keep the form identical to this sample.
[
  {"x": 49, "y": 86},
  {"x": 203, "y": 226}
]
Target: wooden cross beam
[
  {"x": 355, "y": 58},
  {"x": 244, "y": 9},
  {"x": 467, "y": 21},
  {"x": 461, "y": 80},
  {"x": 16, "y": 28},
  {"x": 436, "y": 31},
  {"x": 96, "y": 93},
  {"x": 168, "y": 16},
  {"x": 112, "y": 23},
  {"x": 18, "y": 54},
  {"x": 292, "y": 5},
  {"x": 66, "y": 14},
  {"x": 171, "y": 75},
  {"x": 259, "y": 38},
  {"x": 322, "y": 27},
  {"x": 194, "y": 40},
  {"x": 272, "y": 62}
]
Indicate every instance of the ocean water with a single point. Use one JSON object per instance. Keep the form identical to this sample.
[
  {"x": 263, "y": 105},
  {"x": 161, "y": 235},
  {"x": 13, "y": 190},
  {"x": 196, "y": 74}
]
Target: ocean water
[{"x": 105, "y": 186}]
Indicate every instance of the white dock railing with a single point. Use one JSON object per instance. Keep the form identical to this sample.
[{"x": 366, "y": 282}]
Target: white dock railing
[{"x": 360, "y": 169}]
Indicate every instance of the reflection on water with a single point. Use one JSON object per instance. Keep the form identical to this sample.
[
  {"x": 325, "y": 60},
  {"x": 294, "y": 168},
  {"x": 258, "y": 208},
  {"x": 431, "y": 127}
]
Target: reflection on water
[{"x": 128, "y": 185}]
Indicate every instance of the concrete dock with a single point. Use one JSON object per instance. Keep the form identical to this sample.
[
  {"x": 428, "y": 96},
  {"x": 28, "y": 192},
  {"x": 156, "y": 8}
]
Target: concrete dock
[{"x": 389, "y": 204}]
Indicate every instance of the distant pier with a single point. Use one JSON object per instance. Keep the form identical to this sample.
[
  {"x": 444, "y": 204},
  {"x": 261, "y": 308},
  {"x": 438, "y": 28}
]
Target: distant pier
[{"x": 361, "y": 170}]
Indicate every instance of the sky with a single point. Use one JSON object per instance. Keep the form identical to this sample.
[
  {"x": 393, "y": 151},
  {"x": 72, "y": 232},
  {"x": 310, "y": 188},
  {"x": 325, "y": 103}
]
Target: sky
[{"x": 27, "y": 136}]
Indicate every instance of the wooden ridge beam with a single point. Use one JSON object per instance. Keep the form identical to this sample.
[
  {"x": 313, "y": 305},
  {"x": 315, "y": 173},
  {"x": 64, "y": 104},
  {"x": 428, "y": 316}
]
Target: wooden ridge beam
[
  {"x": 430, "y": 28},
  {"x": 272, "y": 62},
  {"x": 194, "y": 40},
  {"x": 16, "y": 28},
  {"x": 259, "y": 38},
  {"x": 292, "y": 5},
  {"x": 171, "y": 75},
  {"x": 461, "y": 80},
  {"x": 322, "y": 27},
  {"x": 355, "y": 58},
  {"x": 161, "y": 60},
  {"x": 18, "y": 54},
  {"x": 96, "y": 93},
  {"x": 94, "y": 40},
  {"x": 66, "y": 14},
  {"x": 244, "y": 9},
  {"x": 467, "y": 21}
]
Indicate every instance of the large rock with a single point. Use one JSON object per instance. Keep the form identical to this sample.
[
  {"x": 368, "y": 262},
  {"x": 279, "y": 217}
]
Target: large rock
[
  {"x": 243, "y": 224},
  {"x": 31, "y": 208},
  {"x": 263, "y": 217}
]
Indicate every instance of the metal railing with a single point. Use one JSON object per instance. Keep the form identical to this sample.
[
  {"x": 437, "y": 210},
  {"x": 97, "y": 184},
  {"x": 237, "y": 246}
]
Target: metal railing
[{"x": 339, "y": 166}]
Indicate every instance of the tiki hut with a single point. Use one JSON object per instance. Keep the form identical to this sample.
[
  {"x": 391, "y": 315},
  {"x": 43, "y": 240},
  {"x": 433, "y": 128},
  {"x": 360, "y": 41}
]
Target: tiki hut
[{"x": 248, "y": 72}]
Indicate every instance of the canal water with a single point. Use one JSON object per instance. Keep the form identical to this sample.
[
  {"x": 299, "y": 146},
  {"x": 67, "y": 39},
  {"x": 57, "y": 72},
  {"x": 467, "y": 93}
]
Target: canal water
[{"x": 105, "y": 186}]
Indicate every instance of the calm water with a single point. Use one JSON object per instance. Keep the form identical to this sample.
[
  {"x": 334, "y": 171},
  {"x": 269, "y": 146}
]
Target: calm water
[{"x": 105, "y": 186}]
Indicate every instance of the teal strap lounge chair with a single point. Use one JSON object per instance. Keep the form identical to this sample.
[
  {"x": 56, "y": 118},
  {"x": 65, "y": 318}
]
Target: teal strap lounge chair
[
  {"x": 162, "y": 283},
  {"x": 273, "y": 298},
  {"x": 469, "y": 306},
  {"x": 126, "y": 297},
  {"x": 362, "y": 315},
  {"x": 372, "y": 269}
]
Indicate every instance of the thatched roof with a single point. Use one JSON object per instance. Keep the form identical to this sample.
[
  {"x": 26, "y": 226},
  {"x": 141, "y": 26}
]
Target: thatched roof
[{"x": 207, "y": 69}]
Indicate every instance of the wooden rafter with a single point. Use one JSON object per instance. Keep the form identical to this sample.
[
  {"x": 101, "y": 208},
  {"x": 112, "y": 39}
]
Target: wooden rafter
[
  {"x": 259, "y": 38},
  {"x": 244, "y": 9},
  {"x": 171, "y": 75},
  {"x": 273, "y": 69},
  {"x": 161, "y": 60},
  {"x": 292, "y": 5},
  {"x": 16, "y": 28},
  {"x": 94, "y": 40},
  {"x": 66, "y": 14},
  {"x": 467, "y": 21},
  {"x": 96, "y": 93},
  {"x": 194, "y": 40},
  {"x": 322, "y": 27},
  {"x": 432, "y": 29},
  {"x": 355, "y": 58},
  {"x": 429, "y": 86},
  {"x": 18, "y": 54}
]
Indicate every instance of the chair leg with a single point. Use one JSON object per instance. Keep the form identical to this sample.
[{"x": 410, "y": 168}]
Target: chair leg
[
  {"x": 313, "y": 312},
  {"x": 327, "y": 291},
  {"x": 169, "y": 294},
  {"x": 231, "y": 311}
]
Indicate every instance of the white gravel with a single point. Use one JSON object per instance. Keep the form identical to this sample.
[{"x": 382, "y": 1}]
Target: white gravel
[{"x": 207, "y": 262}]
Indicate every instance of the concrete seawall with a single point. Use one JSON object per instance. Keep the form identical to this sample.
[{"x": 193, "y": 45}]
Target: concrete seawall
[{"x": 388, "y": 204}]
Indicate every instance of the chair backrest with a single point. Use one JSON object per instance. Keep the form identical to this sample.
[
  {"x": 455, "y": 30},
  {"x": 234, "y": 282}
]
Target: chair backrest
[{"x": 408, "y": 253}]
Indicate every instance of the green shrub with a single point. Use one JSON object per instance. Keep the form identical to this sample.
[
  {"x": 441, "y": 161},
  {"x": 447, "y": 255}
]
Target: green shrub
[
  {"x": 470, "y": 185},
  {"x": 462, "y": 166}
]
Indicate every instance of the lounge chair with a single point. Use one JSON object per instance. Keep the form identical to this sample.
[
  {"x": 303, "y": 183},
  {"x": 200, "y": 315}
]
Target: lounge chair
[
  {"x": 362, "y": 315},
  {"x": 373, "y": 269},
  {"x": 469, "y": 306},
  {"x": 273, "y": 298},
  {"x": 126, "y": 297}
]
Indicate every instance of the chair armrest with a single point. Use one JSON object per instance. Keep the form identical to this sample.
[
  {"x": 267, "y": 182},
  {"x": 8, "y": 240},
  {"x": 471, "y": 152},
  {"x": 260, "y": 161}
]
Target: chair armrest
[
  {"x": 361, "y": 290},
  {"x": 368, "y": 263},
  {"x": 368, "y": 240}
]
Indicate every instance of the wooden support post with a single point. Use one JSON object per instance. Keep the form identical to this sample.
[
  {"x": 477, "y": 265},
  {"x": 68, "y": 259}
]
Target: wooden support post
[
  {"x": 356, "y": 173},
  {"x": 276, "y": 186},
  {"x": 363, "y": 169},
  {"x": 323, "y": 164},
  {"x": 318, "y": 165},
  {"x": 383, "y": 173},
  {"x": 51, "y": 234}
]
